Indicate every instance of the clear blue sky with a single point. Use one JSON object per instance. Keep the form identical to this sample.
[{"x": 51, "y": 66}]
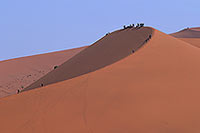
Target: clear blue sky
[{"x": 29, "y": 27}]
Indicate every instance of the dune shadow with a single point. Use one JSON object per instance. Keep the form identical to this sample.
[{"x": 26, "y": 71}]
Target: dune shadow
[{"x": 108, "y": 50}]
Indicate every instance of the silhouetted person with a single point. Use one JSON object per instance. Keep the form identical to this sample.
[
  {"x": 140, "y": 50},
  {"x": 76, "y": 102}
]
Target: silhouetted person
[
  {"x": 142, "y": 25},
  {"x": 137, "y": 25},
  {"x": 108, "y": 33},
  {"x": 124, "y": 26},
  {"x": 149, "y": 36},
  {"x": 42, "y": 85},
  {"x": 133, "y": 51},
  {"x": 18, "y": 91},
  {"x": 55, "y": 67}
]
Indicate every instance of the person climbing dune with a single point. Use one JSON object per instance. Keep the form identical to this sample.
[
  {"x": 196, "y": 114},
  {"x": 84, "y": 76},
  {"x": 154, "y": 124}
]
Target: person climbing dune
[{"x": 124, "y": 26}]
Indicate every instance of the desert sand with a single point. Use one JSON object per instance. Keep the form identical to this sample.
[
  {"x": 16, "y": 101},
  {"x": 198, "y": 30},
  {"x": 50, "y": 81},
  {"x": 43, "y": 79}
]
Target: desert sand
[
  {"x": 187, "y": 33},
  {"x": 20, "y": 72},
  {"x": 194, "y": 41},
  {"x": 154, "y": 90},
  {"x": 196, "y": 28},
  {"x": 191, "y": 36}
]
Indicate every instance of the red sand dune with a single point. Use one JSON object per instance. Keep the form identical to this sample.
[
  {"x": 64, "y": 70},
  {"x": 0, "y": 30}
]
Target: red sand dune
[
  {"x": 187, "y": 33},
  {"x": 106, "y": 51},
  {"x": 196, "y": 28},
  {"x": 191, "y": 36},
  {"x": 194, "y": 41},
  {"x": 19, "y": 72},
  {"x": 154, "y": 90}
]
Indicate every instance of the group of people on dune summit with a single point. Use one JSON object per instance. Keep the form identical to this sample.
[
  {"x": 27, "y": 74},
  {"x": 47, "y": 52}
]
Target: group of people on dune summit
[
  {"x": 138, "y": 25},
  {"x": 133, "y": 26}
]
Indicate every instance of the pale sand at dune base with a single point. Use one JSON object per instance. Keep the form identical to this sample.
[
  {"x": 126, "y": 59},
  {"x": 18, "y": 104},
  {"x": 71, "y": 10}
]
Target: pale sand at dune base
[
  {"x": 16, "y": 74},
  {"x": 154, "y": 90}
]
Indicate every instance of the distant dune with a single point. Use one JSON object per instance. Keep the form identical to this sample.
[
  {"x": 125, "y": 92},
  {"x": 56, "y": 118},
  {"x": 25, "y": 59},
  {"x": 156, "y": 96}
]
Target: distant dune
[
  {"x": 191, "y": 36},
  {"x": 194, "y": 41},
  {"x": 20, "y": 72},
  {"x": 154, "y": 90},
  {"x": 188, "y": 33},
  {"x": 196, "y": 28}
]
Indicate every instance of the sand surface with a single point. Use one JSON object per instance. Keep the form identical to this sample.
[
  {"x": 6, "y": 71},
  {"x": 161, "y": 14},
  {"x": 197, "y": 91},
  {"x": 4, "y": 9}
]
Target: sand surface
[
  {"x": 20, "y": 72},
  {"x": 194, "y": 41},
  {"x": 196, "y": 28},
  {"x": 154, "y": 90},
  {"x": 187, "y": 33}
]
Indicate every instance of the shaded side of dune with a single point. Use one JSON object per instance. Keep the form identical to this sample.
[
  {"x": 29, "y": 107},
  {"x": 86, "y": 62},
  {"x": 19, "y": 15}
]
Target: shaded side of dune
[
  {"x": 196, "y": 28},
  {"x": 104, "y": 52},
  {"x": 187, "y": 33},
  {"x": 18, "y": 73}
]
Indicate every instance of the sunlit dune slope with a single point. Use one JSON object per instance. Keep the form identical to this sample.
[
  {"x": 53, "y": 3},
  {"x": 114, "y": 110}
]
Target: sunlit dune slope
[
  {"x": 20, "y": 72},
  {"x": 155, "y": 90},
  {"x": 194, "y": 41},
  {"x": 187, "y": 33},
  {"x": 106, "y": 51}
]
